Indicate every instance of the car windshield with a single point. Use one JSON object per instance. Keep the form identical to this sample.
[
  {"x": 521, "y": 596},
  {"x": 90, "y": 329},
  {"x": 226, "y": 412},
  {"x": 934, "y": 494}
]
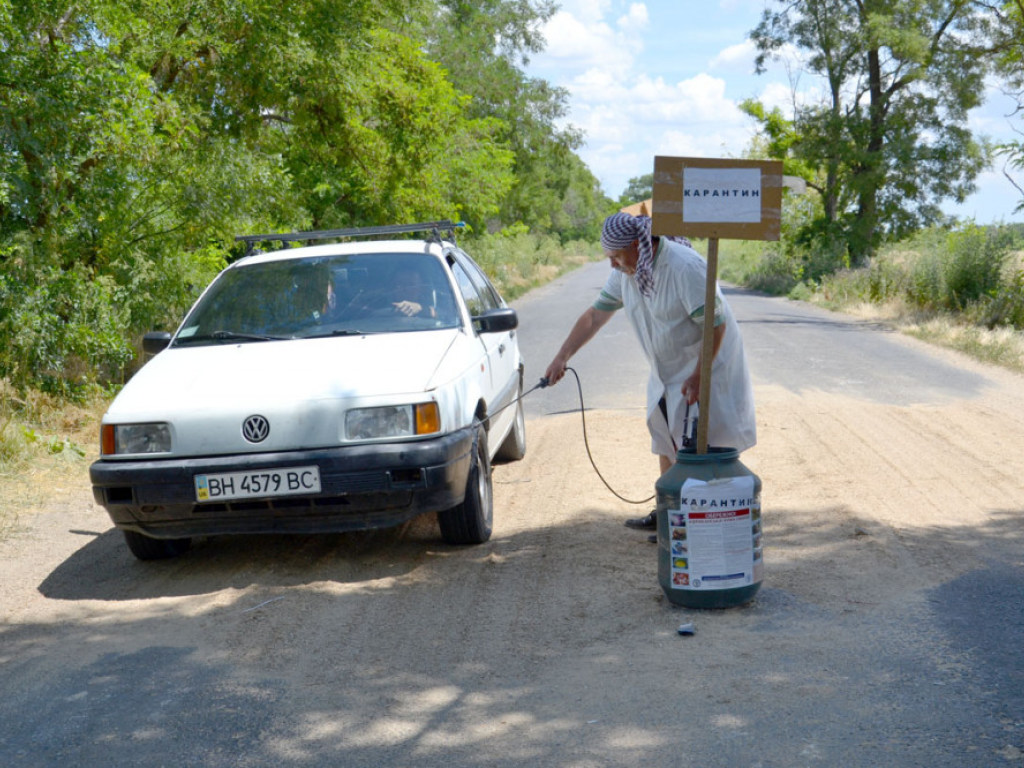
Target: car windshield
[{"x": 325, "y": 296}]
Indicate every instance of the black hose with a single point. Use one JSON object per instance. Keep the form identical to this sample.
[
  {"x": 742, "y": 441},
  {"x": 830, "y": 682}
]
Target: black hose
[{"x": 586, "y": 442}]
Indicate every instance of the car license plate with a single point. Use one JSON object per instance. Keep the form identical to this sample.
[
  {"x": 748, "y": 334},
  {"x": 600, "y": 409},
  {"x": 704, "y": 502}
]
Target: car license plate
[{"x": 261, "y": 483}]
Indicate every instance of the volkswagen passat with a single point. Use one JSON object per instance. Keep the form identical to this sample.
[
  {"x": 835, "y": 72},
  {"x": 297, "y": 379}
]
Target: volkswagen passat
[{"x": 316, "y": 389}]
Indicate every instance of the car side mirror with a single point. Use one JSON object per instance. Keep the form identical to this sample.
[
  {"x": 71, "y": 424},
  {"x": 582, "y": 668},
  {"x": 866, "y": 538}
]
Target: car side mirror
[
  {"x": 155, "y": 341},
  {"x": 496, "y": 320}
]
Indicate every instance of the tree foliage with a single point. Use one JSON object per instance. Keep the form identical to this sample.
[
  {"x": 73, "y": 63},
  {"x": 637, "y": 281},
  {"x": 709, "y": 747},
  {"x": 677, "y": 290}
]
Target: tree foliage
[
  {"x": 1008, "y": 49},
  {"x": 638, "y": 189},
  {"x": 484, "y": 45},
  {"x": 137, "y": 139},
  {"x": 888, "y": 142}
]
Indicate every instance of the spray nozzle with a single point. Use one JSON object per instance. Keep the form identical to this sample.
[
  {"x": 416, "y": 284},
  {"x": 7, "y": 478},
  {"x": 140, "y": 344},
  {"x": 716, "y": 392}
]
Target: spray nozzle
[
  {"x": 543, "y": 382},
  {"x": 690, "y": 429}
]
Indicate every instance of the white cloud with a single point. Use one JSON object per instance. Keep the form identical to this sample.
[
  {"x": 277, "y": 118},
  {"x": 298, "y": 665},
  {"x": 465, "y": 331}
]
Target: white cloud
[
  {"x": 994, "y": 201},
  {"x": 635, "y": 20},
  {"x": 628, "y": 122},
  {"x": 574, "y": 45},
  {"x": 997, "y": 116},
  {"x": 777, "y": 96},
  {"x": 739, "y": 57},
  {"x": 627, "y": 115}
]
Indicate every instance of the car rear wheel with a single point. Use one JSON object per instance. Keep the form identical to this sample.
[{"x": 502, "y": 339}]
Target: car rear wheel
[
  {"x": 514, "y": 447},
  {"x": 146, "y": 548},
  {"x": 470, "y": 522}
]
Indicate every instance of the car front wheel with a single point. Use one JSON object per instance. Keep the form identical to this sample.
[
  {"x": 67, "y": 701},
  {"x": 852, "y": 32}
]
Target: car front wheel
[
  {"x": 146, "y": 548},
  {"x": 470, "y": 522}
]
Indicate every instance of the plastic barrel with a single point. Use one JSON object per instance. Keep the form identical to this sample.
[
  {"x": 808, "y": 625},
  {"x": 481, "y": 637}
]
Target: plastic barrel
[{"x": 709, "y": 530}]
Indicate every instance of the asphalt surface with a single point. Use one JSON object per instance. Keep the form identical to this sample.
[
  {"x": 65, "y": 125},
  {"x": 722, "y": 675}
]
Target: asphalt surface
[{"x": 888, "y": 631}]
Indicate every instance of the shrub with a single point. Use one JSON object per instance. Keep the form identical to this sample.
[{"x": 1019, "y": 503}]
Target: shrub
[
  {"x": 776, "y": 274},
  {"x": 964, "y": 273},
  {"x": 737, "y": 259},
  {"x": 60, "y": 329},
  {"x": 518, "y": 260},
  {"x": 821, "y": 249},
  {"x": 848, "y": 286},
  {"x": 925, "y": 286},
  {"x": 974, "y": 265},
  {"x": 1006, "y": 308}
]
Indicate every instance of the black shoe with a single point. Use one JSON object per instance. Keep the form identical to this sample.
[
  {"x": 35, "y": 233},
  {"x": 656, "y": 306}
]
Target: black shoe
[
  {"x": 653, "y": 538},
  {"x": 646, "y": 523}
]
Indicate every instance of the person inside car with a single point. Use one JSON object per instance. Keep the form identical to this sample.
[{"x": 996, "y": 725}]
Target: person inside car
[{"x": 412, "y": 293}]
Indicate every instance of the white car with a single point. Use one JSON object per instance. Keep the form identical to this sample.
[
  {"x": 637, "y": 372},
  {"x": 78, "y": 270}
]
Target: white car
[{"x": 319, "y": 389}]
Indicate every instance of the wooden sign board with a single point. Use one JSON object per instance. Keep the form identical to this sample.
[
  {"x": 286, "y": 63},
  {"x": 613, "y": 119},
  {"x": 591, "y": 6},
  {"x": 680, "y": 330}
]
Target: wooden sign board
[
  {"x": 725, "y": 198},
  {"x": 643, "y": 208}
]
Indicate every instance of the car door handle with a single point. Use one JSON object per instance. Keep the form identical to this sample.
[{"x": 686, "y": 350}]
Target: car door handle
[{"x": 501, "y": 349}]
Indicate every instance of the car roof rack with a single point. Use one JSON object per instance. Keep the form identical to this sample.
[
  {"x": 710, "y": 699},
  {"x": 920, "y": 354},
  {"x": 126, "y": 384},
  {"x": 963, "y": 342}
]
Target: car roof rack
[{"x": 436, "y": 228}]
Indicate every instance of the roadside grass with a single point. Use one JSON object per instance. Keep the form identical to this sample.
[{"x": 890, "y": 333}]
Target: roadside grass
[
  {"x": 45, "y": 449},
  {"x": 1003, "y": 347},
  {"x": 1000, "y": 346},
  {"x": 987, "y": 328},
  {"x": 961, "y": 290},
  {"x": 518, "y": 261}
]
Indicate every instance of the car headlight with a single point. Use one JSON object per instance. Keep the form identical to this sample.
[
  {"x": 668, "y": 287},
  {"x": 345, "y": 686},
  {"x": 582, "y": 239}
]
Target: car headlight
[
  {"x": 134, "y": 438},
  {"x": 392, "y": 421}
]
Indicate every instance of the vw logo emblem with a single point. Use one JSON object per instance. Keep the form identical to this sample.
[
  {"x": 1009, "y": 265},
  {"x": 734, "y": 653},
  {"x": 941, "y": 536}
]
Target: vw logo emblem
[{"x": 255, "y": 429}]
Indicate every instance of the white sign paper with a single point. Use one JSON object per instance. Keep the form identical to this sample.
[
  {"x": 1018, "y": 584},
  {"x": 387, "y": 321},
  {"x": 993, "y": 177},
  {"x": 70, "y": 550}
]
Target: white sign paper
[
  {"x": 715, "y": 535},
  {"x": 722, "y": 195}
]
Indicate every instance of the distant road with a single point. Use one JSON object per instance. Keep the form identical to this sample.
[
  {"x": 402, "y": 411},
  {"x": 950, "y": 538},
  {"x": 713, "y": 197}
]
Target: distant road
[{"x": 790, "y": 344}]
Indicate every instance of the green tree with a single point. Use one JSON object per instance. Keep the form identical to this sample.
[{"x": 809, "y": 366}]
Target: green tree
[
  {"x": 1008, "y": 51},
  {"x": 137, "y": 139},
  {"x": 637, "y": 189},
  {"x": 780, "y": 138},
  {"x": 889, "y": 140},
  {"x": 484, "y": 46}
]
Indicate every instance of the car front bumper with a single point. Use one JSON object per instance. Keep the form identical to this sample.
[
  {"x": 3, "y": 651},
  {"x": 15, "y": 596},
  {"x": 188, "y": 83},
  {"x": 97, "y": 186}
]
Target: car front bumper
[{"x": 361, "y": 487}]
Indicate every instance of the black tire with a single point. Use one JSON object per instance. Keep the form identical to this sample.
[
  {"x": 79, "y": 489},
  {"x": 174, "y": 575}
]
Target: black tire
[
  {"x": 514, "y": 447},
  {"x": 470, "y": 522},
  {"x": 146, "y": 548}
]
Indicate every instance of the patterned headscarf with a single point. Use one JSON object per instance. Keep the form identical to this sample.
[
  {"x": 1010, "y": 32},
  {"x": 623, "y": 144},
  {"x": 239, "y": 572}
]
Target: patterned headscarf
[{"x": 620, "y": 230}]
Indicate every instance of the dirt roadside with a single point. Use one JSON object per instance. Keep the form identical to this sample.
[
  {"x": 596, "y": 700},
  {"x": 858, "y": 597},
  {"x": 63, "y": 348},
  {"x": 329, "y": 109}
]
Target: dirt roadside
[{"x": 549, "y": 644}]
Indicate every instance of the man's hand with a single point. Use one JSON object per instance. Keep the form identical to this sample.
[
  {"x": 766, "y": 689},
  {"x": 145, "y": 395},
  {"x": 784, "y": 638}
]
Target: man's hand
[
  {"x": 691, "y": 387},
  {"x": 408, "y": 308},
  {"x": 555, "y": 371}
]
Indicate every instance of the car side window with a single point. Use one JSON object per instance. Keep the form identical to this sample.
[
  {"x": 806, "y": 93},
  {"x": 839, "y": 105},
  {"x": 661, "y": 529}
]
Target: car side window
[
  {"x": 474, "y": 302},
  {"x": 488, "y": 296}
]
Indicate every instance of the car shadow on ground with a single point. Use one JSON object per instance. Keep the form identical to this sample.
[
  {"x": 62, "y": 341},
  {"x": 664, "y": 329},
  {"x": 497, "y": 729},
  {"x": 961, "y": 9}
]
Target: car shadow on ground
[{"x": 104, "y": 569}]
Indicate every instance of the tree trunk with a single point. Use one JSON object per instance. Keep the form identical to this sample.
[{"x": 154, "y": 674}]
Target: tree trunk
[{"x": 870, "y": 176}]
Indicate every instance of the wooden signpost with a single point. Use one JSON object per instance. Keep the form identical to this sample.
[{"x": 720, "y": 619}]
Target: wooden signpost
[{"x": 728, "y": 198}]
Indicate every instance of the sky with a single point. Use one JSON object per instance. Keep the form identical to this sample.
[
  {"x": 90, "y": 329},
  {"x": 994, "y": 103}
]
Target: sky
[{"x": 665, "y": 77}]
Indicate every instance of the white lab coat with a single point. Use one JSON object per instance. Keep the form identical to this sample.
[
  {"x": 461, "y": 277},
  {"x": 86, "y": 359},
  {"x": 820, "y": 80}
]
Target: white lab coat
[{"x": 670, "y": 326}]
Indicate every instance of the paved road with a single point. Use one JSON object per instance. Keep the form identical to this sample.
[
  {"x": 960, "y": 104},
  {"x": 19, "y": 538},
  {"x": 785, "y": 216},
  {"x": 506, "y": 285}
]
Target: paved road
[
  {"x": 791, "y": 344},
  {"x": 888, "y": 631}
]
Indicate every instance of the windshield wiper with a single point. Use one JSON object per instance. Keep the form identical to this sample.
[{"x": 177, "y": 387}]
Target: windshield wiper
[
  {"x": 230, "y": 336},
  {"x": 341, "y": 332}
]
